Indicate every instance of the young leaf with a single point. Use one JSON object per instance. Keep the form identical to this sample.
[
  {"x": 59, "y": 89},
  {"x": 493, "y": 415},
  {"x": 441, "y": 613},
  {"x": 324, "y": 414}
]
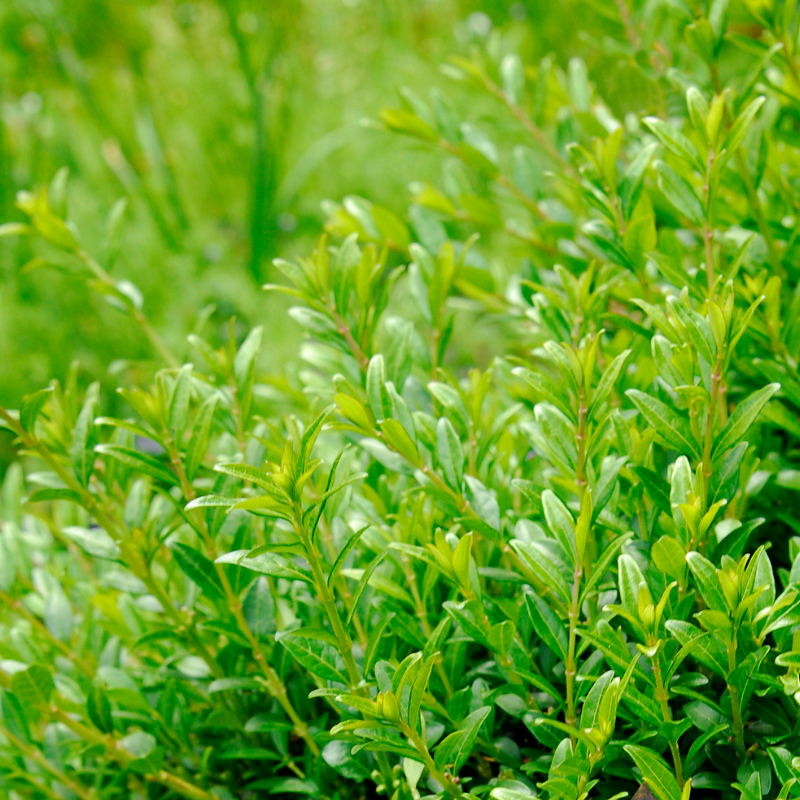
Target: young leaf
[
  {"x": 673, "y": 428},
  {"x": 199, "y": 570},
  {"x": 654, "y": 770},
  {"x": 743, "y": 417},
  {"x": 454, "y": 750}
]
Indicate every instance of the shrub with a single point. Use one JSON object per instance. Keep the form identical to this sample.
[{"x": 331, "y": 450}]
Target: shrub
[{"x": 521, "y": 520}]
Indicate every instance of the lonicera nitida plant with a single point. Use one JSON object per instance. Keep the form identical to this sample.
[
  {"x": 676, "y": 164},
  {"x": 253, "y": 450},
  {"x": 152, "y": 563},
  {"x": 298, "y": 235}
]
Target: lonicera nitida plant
[{"x": 521, "y": 521}]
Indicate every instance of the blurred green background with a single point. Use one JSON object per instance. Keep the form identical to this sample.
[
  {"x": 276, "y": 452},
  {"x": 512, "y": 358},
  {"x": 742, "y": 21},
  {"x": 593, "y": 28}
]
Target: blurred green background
[{"x": 224, "y": 125}]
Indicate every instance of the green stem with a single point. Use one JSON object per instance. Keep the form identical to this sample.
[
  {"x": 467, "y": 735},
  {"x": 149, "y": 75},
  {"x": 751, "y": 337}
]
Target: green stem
[
  {"x": 708, "y": 239},
  {"x": 36, "y": 755},
  {"x": 580, "y": 471},
  {"x": 571, "y": 666},
  {"x": 736, "y": 709},
  {"x": 421, "y": 747},
  {"x": 326, "y": 596},
  {"x": 662, "y": 695},
  {"x": 709, "y": 433},
  {"x": 138, "y": 316},
  {"x": 19, "y": 608}
]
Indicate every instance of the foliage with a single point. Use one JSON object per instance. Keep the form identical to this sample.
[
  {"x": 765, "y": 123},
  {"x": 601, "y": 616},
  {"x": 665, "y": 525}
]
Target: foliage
[
  {"x": 218, "y": 126},
  {"x": 521, "y": 523}
]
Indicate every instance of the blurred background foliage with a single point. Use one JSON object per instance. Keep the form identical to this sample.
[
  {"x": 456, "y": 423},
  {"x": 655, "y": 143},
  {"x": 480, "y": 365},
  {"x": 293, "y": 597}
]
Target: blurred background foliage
[{"x": 223, "y": 125}]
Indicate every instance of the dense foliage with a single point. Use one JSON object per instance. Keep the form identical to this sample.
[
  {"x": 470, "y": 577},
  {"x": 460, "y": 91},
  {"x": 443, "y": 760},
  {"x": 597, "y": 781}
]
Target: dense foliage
[{"x": 520, "y": 519}]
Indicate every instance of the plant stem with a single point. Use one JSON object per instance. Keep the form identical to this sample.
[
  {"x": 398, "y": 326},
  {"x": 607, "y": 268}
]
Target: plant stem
[
  {"x": 35, "y": 754},
  {"x": 344, "y": 331},
  {"x": 444, "y": 780},
  {"x": 708, "y": 238},
  {"x": 571, "y": 667},
  {"x": 736, "y": 709},
  {"x": 138, "y": 316},
  {"x": 536, "y": 133},
  {"x": 709, "y": 433},
  {"x": 580, "y": 471},
  {"x": 662, "y": 695},
  {"x": 343, "y": 639},
  {"x": 326, "y": 596}
]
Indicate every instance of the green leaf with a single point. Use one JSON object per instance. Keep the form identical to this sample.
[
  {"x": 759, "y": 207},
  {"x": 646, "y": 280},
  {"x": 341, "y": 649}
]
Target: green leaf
[
  {"x": 58, "y": 616},
  {"x": 450, "y": 453},
  {"x": 743, "y": 417},
  {"x": 199, "y": 570},
  {"x": 512, "y": 72},
  {"x": 229, "y": 684},
  {"x": 704, "y": 648},
  {"x": 95, "y": 541},
  {"x": 601, "y": 566},
  {"x": 455, "y": 749},
  {"x": 265, "y": 563},
  {"x": 246, "y": 356},
  {"x": 316, "y": 656},
  {"x": 31, "y": 407},
  {"x": 672, "y": 427},
  {"x": 543, "y": 565},
  {"x": 674, "y": 141},
  {"x": 398, "y": 439},
  {"x": 147, "y": 465},
  {"x": 258, "y": 608},
  {"x": 99, "y": 709},
  {"x": 418, "y": 689},
  {"x": 657, "y": 488},
  {"x": 735, "y": 541},
  {"x": 33, "y": 686},
  {"x": 697, "y": 328},
  {"x": 84, "y": 437},
  {"x": 630, "y": 578},
  {"x": 14, "y": 718},
  {"x": 678, "y": 191},
  {"x": 198, "y": 442},
  {"x": 363, "y": 582},
  {"x": 212, "y": 501},
  {"x": 668, "y": 555},
  {"x": 630, "y": 187},
  {"x": 547, "y": 625},
  {"x": 655, "y": 771},
  {"x": 344, "y": 552},
  {"x": 179, "y": 404},
  {"x": 402, "y": 121},
  {"x": 560, "y": 521},
  {"x": 249, "y": 474},
  {"x": 49, "y": 495},
  {"x": 484, "y": 502},
  {"x": 742, "y": 124},
  {"x": 147, "y": 756},
  {"x": 607, "y": 382},
  {"x": 705, "y": 574},
  {"x": 374, "y": 642}
]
